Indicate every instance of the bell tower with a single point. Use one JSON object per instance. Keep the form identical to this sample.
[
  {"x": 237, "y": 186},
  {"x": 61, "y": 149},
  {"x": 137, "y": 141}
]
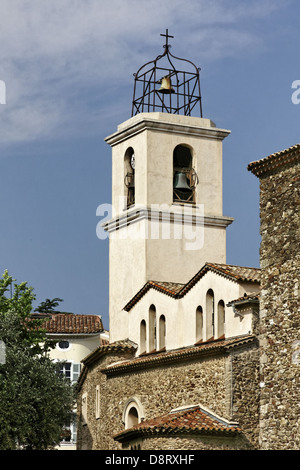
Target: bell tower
[{"x": 167, "y": 204}]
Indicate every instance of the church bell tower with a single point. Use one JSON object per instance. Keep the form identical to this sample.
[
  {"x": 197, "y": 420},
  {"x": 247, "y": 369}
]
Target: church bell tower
[{"x": 167, "y": 198}]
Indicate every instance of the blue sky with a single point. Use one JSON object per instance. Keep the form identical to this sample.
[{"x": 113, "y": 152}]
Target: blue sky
[{"x": 68, "y": 69}]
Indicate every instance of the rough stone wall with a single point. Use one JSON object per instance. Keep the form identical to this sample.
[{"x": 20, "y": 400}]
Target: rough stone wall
[
  {"x": 280, "y": 309},
  {"x": 161, "y": 389},
  {"x": 245, "y": 392},
  {"x": 158, "y": 389},
  {"x": 190, "y": 443},
  {"x": 90, "y": 435}
]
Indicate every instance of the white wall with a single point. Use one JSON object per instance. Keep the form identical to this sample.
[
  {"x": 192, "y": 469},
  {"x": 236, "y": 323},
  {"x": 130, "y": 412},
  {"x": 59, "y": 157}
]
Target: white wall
[{"x": 181, "y": 314}]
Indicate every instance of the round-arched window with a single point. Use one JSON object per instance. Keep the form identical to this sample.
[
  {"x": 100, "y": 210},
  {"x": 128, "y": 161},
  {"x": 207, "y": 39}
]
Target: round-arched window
[
  {"x": 133, "y": 412},
  {"x": 129, "y": 176},
  {"x": 184, "y": 176},
  {"x": 132, "y": 417}
]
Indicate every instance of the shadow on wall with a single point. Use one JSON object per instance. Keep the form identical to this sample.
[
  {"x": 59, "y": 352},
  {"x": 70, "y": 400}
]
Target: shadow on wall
[{"x": 84, "y": 439}]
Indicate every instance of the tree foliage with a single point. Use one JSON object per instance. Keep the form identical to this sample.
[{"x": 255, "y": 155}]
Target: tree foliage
[
  {"x": 36, "y": 401},
  {"x": 48, "y": 306}
]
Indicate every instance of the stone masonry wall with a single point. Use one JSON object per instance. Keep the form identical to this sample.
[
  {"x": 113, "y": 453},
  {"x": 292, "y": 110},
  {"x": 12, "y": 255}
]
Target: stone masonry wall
[
  {"x": 190, "y": 443},
  {"x": 207, "y": 381},
  {"x": 90, "y": 435},
  {"x": 280, "y": 309},
  {"x": 162, "y": 389},
  {"x": 245, "y": 391}
]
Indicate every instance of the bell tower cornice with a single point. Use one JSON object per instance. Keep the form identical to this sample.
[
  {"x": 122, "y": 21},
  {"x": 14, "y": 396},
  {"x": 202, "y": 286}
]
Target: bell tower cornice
[{"x": 163, "y": 122}]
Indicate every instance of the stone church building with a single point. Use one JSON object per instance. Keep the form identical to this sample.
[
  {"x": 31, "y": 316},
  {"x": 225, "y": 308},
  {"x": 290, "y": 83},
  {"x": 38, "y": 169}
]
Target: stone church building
[{"x": 191, "y": 358}]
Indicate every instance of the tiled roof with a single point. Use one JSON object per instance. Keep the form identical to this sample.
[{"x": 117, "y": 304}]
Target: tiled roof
[
  {"x": 275, "y": 160},
  {"x": 171, "y": 288},
  {"x": 194, "y": 420},
  {"x": 123, "y": 346},
  {"x": 236, "y": 273},
  {"x": 245, "y": 298},
  {"x": 159, "y": 358},
  {"x": 70, "y": 323},
  {"x": 115, "y": 347}
]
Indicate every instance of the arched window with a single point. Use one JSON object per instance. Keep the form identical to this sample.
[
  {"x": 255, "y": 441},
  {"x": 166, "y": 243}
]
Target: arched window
[
  {"x": 184, "y": 176},
  {"x": 162, "y": 332},
  {"x": 199, "y": 324},
  {"x": 210, "y": 314},
  {"x": 129, "y": 176},
  {"x": 97, "y": 402},
  {"x": 132, "y": 417},
  {"x": 84, "y": 408},
  {"x": 221, "y": 318},
  {"x": 143, "y": 345},
  {"x": 133, "y": 412},
  {"x": 152, "y": 328}
]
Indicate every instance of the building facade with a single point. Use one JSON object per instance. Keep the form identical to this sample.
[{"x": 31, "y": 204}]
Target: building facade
[
  {"x": 199, "y": 355},
  {"x": 75, "y": 337},
  {"x": 179, "y": 351}
]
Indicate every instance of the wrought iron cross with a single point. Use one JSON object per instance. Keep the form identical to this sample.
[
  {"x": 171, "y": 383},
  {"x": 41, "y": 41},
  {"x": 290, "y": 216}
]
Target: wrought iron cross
[{"x": 167, "y": 36}]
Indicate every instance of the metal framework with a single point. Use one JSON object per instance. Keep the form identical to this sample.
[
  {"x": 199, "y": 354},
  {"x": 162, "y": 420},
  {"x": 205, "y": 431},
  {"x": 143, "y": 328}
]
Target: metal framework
[{"x": 181, "y": 98}]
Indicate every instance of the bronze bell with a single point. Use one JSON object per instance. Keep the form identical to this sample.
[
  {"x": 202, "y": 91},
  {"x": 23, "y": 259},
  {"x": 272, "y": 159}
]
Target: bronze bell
[
  {"x": 129, "y": 180},
  {"x": 166, "y": 86},
  {"x": 180, "y": 182}
]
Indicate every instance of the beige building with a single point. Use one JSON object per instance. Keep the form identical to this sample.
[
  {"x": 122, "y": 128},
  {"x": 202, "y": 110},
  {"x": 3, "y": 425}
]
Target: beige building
[
  {"x": 165, "y": 237},
  {"x": 76, "y": 336}
]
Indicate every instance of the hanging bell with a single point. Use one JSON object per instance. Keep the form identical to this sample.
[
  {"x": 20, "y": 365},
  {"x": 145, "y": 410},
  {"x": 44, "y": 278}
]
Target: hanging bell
[
  {"x": 180, "y": 182},
  {"x": 166, "y": 86},
  {"x": 129, "y": 180}
]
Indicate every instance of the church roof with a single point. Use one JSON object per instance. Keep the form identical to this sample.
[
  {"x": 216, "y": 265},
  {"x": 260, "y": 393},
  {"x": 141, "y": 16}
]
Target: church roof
[
  {"x": 175, "y": 290},
  {"x": 192, "y": 420},
  {"x": 246, "y": 298},
  {"x": 71, "y": 323},
  {"x": 158, "y": 358},
  {"x": 121, "y": 346},
  {"x": 275, "y": 160},
  {"x": 117, "y": 347}
]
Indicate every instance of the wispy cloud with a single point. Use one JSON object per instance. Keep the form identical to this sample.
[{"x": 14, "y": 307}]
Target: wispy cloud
[{"x": 61, "y": 60}]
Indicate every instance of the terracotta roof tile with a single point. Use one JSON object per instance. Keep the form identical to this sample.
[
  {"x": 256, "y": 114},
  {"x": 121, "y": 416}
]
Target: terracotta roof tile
[
  {"x": 175, "y": 290},
  {"x": 165, "y": 357},
  {"x": 168, "y": 287},
  {"x": 121, "y": 346},
  {"x": 240, "y": 273},
  {"x": 195, "y": 420},
  {"x": 275, "y": 160},
  {"x": 245, "y": 298},
  {"x": 72, "y": 323}
]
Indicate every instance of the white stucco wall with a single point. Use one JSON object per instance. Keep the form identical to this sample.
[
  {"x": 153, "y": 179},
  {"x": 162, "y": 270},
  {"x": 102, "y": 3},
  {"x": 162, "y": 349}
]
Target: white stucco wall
[
  {"x": 181, "y": 314},
  {"x": 134, "y": 260},
  {"x": 80, "y": 347}
]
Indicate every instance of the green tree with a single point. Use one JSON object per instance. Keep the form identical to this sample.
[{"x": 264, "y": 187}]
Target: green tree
[
  {"x": 36, "y": 401},
  {"x": 48, "y": 306}
]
